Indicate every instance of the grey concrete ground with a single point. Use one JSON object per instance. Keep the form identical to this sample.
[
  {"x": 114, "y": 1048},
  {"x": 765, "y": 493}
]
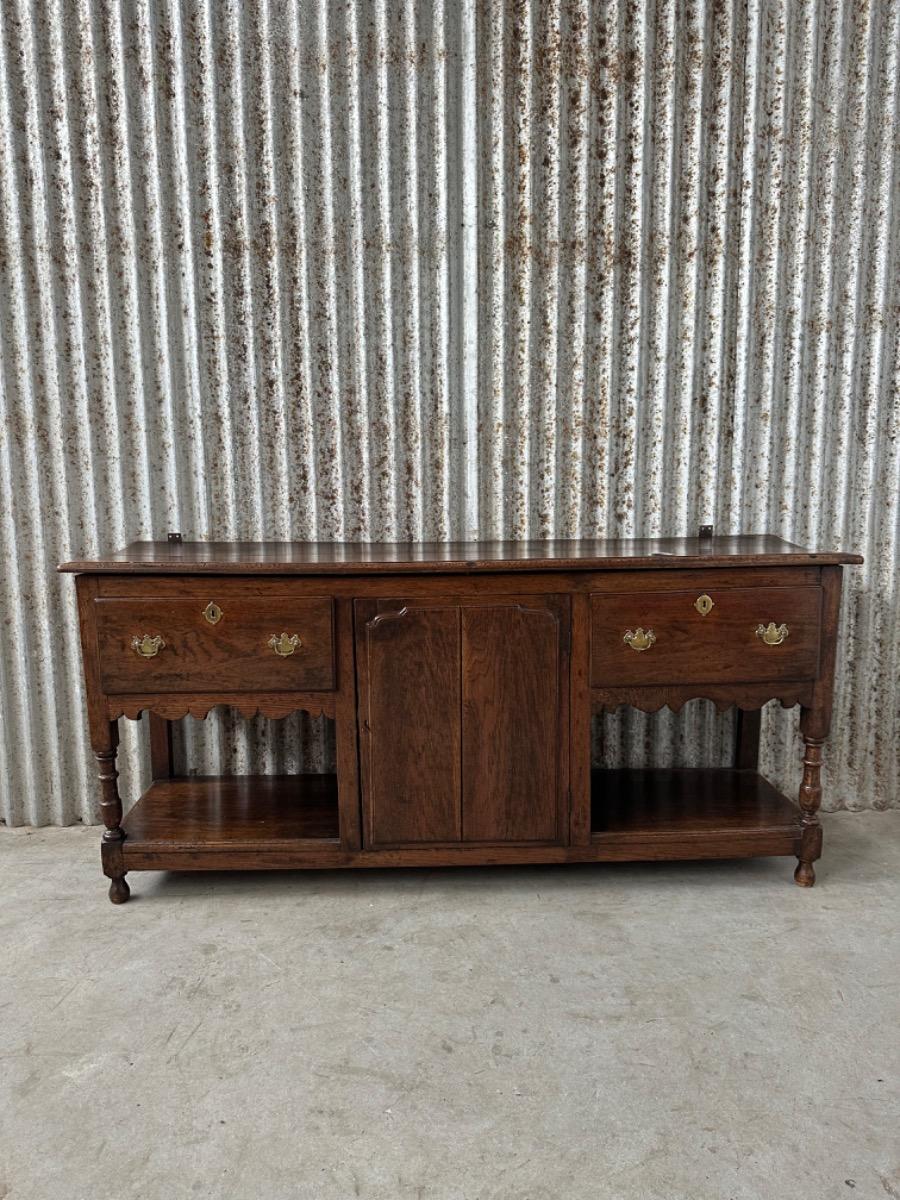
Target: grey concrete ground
[{"x": 658, "y": 1031}]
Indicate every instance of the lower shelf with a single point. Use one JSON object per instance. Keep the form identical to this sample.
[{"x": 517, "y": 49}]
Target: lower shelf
[
  {"x": 719, "y": 810},
  {"x": 234, "y": 812},
  {"x": 271, "y": 822}
]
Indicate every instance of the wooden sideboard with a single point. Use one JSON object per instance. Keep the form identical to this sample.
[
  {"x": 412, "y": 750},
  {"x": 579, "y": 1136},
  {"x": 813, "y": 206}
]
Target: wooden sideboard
[{"x": 461, "y": 679}]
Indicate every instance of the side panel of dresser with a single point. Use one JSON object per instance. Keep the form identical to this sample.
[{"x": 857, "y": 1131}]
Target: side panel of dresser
[
  {"x": 815, "y": 724},
  {"x": 104, "y": 736}
]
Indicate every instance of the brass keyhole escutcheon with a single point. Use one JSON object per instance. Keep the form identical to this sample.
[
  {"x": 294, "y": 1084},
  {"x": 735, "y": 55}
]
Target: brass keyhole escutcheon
[
  {"x": 213, "y": 613},
  {"x": 704, "y": 604},
  {"x": 147, "y": 646},
  {"x": 284, "y": 645}
]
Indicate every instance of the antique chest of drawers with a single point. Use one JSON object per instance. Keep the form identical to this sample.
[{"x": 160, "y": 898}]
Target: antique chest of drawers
[{"x": 461, "y": 679}]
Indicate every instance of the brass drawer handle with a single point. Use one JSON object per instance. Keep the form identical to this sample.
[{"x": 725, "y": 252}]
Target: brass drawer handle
[
  {"x": 147, "y": 646},
  {"x": 772, "y": 634},
  {"x": 283, "y": 644},
  {"x": 639, "y": 639}
]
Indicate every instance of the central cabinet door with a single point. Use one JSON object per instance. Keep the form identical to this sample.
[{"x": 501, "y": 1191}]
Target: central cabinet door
[{"x": 463, "y": 711}]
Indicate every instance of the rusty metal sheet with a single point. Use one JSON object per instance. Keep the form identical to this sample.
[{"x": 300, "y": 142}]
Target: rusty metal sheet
[{"x": 515, "y": 268}]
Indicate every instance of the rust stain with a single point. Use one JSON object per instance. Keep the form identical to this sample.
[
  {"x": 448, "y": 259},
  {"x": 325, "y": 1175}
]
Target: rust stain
[{"x": 233, "y": 256}]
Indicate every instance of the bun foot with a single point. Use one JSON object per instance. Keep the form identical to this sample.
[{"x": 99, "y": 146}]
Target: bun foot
[
  {"x": 119, "y": 891},
  {"x": 805, "y": 874}
]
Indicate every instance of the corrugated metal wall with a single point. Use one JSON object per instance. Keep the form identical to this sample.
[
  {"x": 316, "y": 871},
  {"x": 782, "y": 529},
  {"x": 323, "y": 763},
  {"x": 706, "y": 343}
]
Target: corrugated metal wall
[{"x": 425, "y": 270}]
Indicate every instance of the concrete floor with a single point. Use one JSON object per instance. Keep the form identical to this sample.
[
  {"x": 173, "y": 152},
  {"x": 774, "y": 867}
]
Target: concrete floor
[{"x": 648, "y": 1031}]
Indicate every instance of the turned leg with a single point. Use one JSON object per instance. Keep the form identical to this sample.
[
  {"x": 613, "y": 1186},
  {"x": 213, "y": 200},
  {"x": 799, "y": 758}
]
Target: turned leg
[
  {"x": 111, "y": 812},
  {"x": 810, "y": 799}
]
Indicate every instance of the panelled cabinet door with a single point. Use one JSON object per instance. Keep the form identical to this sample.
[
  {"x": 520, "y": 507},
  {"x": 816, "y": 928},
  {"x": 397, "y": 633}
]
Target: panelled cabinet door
[
  {"x": 410, "y": 728},
  {"x": 464, "y": 719},
  {"x": 511, "y": 743}
]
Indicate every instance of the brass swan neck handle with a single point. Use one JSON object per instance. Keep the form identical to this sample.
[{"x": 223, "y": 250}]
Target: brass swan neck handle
[
  {"x": 148, "y": 646},
  {"x": 639, "y": 639},
  {"x": 284, "y": 644},
  {"x": 772, "y": 634}
]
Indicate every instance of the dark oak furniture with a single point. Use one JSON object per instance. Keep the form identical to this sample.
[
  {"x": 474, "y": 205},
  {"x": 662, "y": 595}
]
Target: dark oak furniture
[{"x": 461, "y": 679}]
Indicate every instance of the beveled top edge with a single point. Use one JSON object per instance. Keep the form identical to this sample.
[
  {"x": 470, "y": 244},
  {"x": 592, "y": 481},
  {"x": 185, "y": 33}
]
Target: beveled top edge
[{"x": 351, "y": 558}]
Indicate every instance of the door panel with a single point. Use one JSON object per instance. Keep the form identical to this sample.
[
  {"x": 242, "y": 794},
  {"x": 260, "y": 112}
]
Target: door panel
[
  {"x": 463, "y": 719},
  {"x": 511, "y": 698},
  {"x": 408, "y": 661}
]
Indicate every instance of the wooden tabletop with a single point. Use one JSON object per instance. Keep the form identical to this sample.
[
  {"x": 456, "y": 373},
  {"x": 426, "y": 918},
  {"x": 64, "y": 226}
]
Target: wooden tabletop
[{"x": 354, "y": 558}]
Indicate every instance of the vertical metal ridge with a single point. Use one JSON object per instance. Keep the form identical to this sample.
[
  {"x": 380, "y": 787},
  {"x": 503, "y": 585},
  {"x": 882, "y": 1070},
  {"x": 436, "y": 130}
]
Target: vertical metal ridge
[
  {"x": 384, "y": 429},
  {"x": 302, "y": 478},
  {"x": 519, "y": 248},
  {"x": 659, "y": 152},
  {"x": 574, "y": 254},
  {"x": 410, "y": 254},
  {"x": 443, "y": 483},
  {"x": 600, "y": 298},
  {"x": 468, "y": 273},
  {"x": 265, "y": 200},
  {"x": 355, "y": 335},
  {"x": 546, "y": 236},
  {"x": 155, "y": 317},
  {"x": 19, "y": 780},
  {"x": 186, "y": 248},
  {"x": 40, "y": 503},
  {"x": 492, "y": 269}
]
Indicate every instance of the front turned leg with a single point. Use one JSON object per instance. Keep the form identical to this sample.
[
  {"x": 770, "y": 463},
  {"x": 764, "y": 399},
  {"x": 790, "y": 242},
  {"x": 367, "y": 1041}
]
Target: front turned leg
[
  {"x": 111, "y": 811},
  {"x": 119, "y": 891},
  {"x": 810, "y": 799}
]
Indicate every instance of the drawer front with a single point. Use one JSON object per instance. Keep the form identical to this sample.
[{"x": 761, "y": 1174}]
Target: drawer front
[
  {"x": 747, "y": 635},
  {"x": 179, "y": 645}
]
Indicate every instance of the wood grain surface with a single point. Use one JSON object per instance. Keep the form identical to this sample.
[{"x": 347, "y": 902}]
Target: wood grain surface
[
  {"x": 463, "y": 706},
  {"x": 720, "y": 647},
  {"x": 253, "y": 810},
  {"x": 332, "y": 558},
  {"x": 233, "y": 655},
  {"x": 513, "y": 738},
  {"x": 410, "y": 721}
]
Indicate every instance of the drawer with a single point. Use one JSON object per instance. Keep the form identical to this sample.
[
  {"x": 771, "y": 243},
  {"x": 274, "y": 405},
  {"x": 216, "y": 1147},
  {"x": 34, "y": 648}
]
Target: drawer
[
  {"x": 748, "y": 635},
  {"x": 172, "y": 645}
]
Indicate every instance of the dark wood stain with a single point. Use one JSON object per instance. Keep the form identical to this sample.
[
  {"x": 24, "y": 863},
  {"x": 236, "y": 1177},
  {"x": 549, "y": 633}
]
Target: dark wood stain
[
  {"x": 233, "y": 655},
  {"x": 463, "y": 707},
  {"x": 721, "y": 646},
  {"x": 332, "y": 558},
  {"x": 252, "y": 810},
  {"x": 513, "y": 687},
  {"x": 662, "y": 803},
  {"x": 410, "y": 724}
]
